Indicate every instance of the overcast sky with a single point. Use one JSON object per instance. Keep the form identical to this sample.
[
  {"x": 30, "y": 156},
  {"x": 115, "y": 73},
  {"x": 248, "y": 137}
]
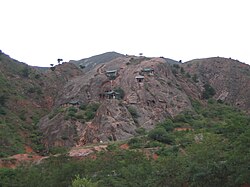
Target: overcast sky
[{"x": 38, "y": 32}]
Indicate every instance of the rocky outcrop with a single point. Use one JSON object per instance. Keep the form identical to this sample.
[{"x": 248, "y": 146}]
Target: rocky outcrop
[
  {"x": 27, "y": 94},
  {"x": 112, "y": 122},
  {"x": 139, "y": 98},
  {"x": 91, "y": 62},
  {"x": 230, "y": 79},
  {"x": 110, "y": 100},
  {"x": 138, "y": 92}
]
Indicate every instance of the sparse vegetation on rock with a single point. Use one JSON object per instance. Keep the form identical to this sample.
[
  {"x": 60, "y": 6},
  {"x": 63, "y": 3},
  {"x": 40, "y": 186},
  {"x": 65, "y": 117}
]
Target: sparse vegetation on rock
[
  {"x": 170, "y": 129},
  {"x": 208, "y": 91}
]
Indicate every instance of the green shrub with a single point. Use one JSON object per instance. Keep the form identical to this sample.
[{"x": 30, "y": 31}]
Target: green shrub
[
  {"x": 64, "y": 137},
  {"x": 22, "y": 115},
  {"x": 79, "y": 116},
  {"x": 2, "y": 111},
  {"x": 112, "y": 147},
  {"x": 188, "y": 75},
  {"x": 91, "y": 110},
  {"x": 196, "y": 105},
  {"x": 140, "y": 131},
  {"x": 121, "y": 92},
  {"x": 154, "y": 144},
  {"x": 66, "y": 118},
  {"x": 89, "y": 115},
  {"x": 182, "y": 70},
  {"x": 93, "y": 107},
  {"x": 37, "y": 76},
  {"x": 72, "y": 109},
  {"x": 31, "y": 89},
  {"x": 25, "y": 72},
  {"x": 168, "y": 151},
  {"x": 3, "y": 99},
  {"x": 161, "y": 135},
  {"x": 208, "y": 92},
  {"x": 83, "y": 106},
  {"x": 53, "y": 113},
  {"x": 71, "y": 114},
  {"x": 168, "y": 125},
  {"x": 133, "y": 112},
  {"x": 181, "y": 118},
  {"x": 174, "y": 71},
  {"x": 34, "y": 89},
  {"x": 136, "y": 142},
  {"x": 176, "y": 66},
  {"x": 53, "y": 68},
  {"x": 195, "y": 78},
  {"x": 58, "y": 150},
  {"x": 83, "y": 182}
]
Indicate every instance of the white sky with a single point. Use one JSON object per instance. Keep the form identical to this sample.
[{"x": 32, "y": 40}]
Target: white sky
[{"x": 38, "y": 32}]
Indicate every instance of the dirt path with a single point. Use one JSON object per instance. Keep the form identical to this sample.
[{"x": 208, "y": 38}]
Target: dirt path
[{"x": 99, "y": 70}]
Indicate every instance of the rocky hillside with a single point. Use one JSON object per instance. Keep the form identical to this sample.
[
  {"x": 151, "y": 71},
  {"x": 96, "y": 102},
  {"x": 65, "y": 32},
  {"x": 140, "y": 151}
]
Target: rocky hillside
[
  {"x": 25, "y": 96},
  {"x": 111, "y": 97},
  {"x": 87, "y": 64},
  {"x": 128, "y": 94},
  {"x": 230, "y": 79}
]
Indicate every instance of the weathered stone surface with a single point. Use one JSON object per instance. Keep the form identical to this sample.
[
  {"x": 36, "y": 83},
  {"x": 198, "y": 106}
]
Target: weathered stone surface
[
  {"x": 230, "y": 79},
  {"x": 156, "y": 97},
  {"x": 147, "y": 98}
]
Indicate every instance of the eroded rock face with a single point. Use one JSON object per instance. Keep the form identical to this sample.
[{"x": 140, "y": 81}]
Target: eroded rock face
[
  {"x": 145, "y": 98},
  {"x": 230, "y": 79},
  {"x": 138, "y": 98},
  {"x": 112, "y": 122}
]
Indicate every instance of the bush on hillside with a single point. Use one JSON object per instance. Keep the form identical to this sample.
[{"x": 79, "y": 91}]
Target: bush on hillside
[{"x": 208, "y": 92}]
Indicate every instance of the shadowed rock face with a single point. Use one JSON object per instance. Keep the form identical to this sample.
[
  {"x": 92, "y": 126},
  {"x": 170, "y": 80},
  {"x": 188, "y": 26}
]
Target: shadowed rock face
[{"x": 158, "y": 95}]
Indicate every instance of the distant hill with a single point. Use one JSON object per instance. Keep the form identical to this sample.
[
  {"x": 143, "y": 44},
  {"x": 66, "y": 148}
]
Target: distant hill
[
  {"x": 171, "y": 61},
  {"x": 89, "y": 63},
  {"x": 41, "y": 69}
]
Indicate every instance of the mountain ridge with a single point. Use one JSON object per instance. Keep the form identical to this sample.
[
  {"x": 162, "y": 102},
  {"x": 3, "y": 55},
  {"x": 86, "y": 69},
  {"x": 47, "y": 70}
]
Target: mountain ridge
[{"x": 166, "y": 93}]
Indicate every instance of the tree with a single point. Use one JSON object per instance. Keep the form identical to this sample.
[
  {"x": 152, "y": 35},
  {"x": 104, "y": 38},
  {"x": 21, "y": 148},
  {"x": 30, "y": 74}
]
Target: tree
[
  {"x": 82, "y": 66},
  {"x": 53, "y": 68},
  {"x": 121, "y": 92},
  {"x": 207, "y": 162},
  {"x": 59, "y": 60},
  {"x": 161, "y": 135}
]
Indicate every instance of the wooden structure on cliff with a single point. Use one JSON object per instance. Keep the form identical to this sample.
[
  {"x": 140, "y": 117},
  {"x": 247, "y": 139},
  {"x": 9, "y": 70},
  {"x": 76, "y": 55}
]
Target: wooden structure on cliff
[
  {"x": 139, "y": 78},
  {"x": 111, "y": 74},
  {"x": 147, "y": 71}
]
